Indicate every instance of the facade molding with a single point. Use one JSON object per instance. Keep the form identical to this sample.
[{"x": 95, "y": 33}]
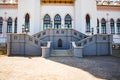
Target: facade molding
[
  {"x": 108, "y": 7},
  {"x": 8, "y": 6}
]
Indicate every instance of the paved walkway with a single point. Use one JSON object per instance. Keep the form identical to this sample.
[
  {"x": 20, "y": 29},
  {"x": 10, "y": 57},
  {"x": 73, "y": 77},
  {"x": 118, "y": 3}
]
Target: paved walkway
[{"x": 59, "y": 68}]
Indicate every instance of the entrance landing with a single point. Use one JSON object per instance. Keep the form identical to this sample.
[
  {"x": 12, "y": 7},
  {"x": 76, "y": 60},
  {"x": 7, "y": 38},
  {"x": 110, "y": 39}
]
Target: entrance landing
[{"x": 61, "y": 53}]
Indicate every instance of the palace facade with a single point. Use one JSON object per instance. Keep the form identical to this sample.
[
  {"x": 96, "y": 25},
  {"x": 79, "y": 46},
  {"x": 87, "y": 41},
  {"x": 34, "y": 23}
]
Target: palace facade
[
  {"x": 86, "y": 16},
  {"x": 83, "y": 15}
]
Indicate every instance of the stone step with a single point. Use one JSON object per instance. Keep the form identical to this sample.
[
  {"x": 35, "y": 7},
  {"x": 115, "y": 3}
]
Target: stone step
[{"x": 61, "y": 53}]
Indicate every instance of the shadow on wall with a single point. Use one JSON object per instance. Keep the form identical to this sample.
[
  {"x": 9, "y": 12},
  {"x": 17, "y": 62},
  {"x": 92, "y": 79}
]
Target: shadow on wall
[
  {"x": 3, "y": 49},
  {"x": 100, "y": 67}
]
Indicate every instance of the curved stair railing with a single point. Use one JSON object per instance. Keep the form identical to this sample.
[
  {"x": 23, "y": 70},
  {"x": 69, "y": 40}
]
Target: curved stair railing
[
  {"x": 99, "y": 44},
  {"x": 23, "y": 44},
  {"x": 44, "y": 35},
  {"x": 76, "y": 50}
]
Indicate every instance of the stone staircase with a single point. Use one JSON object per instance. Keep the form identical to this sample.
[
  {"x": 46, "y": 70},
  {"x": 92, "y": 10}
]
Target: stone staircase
[{"x": 58, "y": 53}]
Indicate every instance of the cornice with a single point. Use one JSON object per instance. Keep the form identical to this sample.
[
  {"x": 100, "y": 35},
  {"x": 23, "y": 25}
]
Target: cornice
[
  {"x": 108, "y": 7},
  {"x": 8, "y": 6},
  {"x": 57, "y": 4}
]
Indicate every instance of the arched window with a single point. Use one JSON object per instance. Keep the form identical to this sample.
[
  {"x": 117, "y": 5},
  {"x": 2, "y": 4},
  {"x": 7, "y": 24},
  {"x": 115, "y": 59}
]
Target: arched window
[
  {"x": 47, "y": 22},
  {"x": 98, "y": 26},
  {"x": 112, "y": 26},
  {"x": 1, "y": 24},
  {"x": 118, "y": 26},
  {"x": 68, "y": 21},
  {"x": 103, "y": 26},
  {"x": 57, "y": 21},
  {"x": 59, "y": 43},
  {"x": 87, "y": 23},
  {"x": 15, "y": 29},
  {"x": 9, "y": 25},
  {"x": 27, "y": 21}
]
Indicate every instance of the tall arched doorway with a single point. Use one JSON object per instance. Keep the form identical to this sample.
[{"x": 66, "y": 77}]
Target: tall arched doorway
[{"x": 59, "y": 43}]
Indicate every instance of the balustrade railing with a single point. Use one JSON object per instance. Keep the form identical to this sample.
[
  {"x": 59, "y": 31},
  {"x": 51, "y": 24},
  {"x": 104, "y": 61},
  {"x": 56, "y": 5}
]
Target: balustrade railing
[
  {"x": 3, "y": 40},
  {"x": 60, "y": 32}
]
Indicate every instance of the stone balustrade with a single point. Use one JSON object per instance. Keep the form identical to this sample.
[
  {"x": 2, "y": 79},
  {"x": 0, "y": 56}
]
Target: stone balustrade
[
  {"x": 99, "y": 44},
  {"x": 3, "y": 40},
  {"x": 46, "y": 50},
  {"x": 42, "y": 43},
  {"x": 46, "y": 34},
  {"x": 23, "y": 44},
  {"x": 77, "y": 51}
]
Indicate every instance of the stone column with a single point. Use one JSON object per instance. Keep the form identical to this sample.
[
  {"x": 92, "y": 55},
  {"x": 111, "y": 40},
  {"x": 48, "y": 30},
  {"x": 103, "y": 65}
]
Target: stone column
[
  {"x": 13, "y": 26},
  {"x": 8, "y": 44},
  {"x": 53, "y": 24},
  {"x": 115, "y": 27},
  {"x": 4, "y": 28},
  {"x": 62, "y": 23},
  {"x": 100, "y": 27},
  {"x": 73, "y": 25},
  {"x": 108, "y": 27}
]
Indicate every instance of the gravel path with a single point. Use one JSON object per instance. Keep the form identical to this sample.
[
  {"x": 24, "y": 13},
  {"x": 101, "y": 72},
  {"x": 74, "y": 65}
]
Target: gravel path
[{"x": 60, "y": 68}]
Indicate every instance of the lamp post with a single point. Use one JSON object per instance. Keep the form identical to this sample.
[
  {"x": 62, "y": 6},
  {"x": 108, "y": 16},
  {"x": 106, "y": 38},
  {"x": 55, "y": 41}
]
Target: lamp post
[{"x": 25, "y": 29}]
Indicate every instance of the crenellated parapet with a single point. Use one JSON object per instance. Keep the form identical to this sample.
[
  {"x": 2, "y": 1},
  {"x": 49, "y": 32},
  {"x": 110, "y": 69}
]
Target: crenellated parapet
[
  {"x": 108, "y": 5},
  {"x": 108, "y": 2},
  {"x": 8, "y": 1},
  {"x": 12, "y": 4},
  {"x": 57, "y": 1}
]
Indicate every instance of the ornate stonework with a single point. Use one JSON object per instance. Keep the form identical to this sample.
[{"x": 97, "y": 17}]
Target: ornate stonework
[
  {"x": 58, "y": 1},
  {"x": 13, "y": 6},
  {"x": 109, "y": 7},
  {"x": 8, "y": 1}
]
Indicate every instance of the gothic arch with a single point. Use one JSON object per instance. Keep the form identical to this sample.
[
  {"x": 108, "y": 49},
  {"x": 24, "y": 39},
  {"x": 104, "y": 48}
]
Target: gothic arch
[
  {"x": 60, "y": 43},
  {"x": 103, "y": 26},
  {"x": 118, "y": 26},
  {"x": 9, "y": 25},
  {"x": 47, "y": 22},
  {"x": 1, "y": 24},
  {"x": 57, "y": 21},
  {"x": 27, "y": 22},
  {"x": 68, "y": 21},
  {"x": 87, "y": 23},
  {"x": 15, "y": 25},
  {"x": 112, "y": 25}
]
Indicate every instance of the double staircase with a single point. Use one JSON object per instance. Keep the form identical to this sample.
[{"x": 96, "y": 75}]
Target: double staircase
[
  {"x": 48, "y": 43},
  {"x": 58, "y": 53}
]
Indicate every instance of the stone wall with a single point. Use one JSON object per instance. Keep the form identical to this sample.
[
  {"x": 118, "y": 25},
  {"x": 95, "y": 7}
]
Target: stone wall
[
  {"x": 116, "y": 50},
  {"x": 99, "y": 44},
  {"x": 65, "y": 35},
  {"x": 23, "y": 44}
]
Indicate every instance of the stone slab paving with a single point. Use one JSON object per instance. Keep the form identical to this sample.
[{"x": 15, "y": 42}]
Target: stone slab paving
[{"x": 60, "y": 68}]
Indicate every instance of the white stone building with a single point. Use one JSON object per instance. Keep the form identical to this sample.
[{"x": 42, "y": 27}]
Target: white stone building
[{"x": 86, "y": 16}]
